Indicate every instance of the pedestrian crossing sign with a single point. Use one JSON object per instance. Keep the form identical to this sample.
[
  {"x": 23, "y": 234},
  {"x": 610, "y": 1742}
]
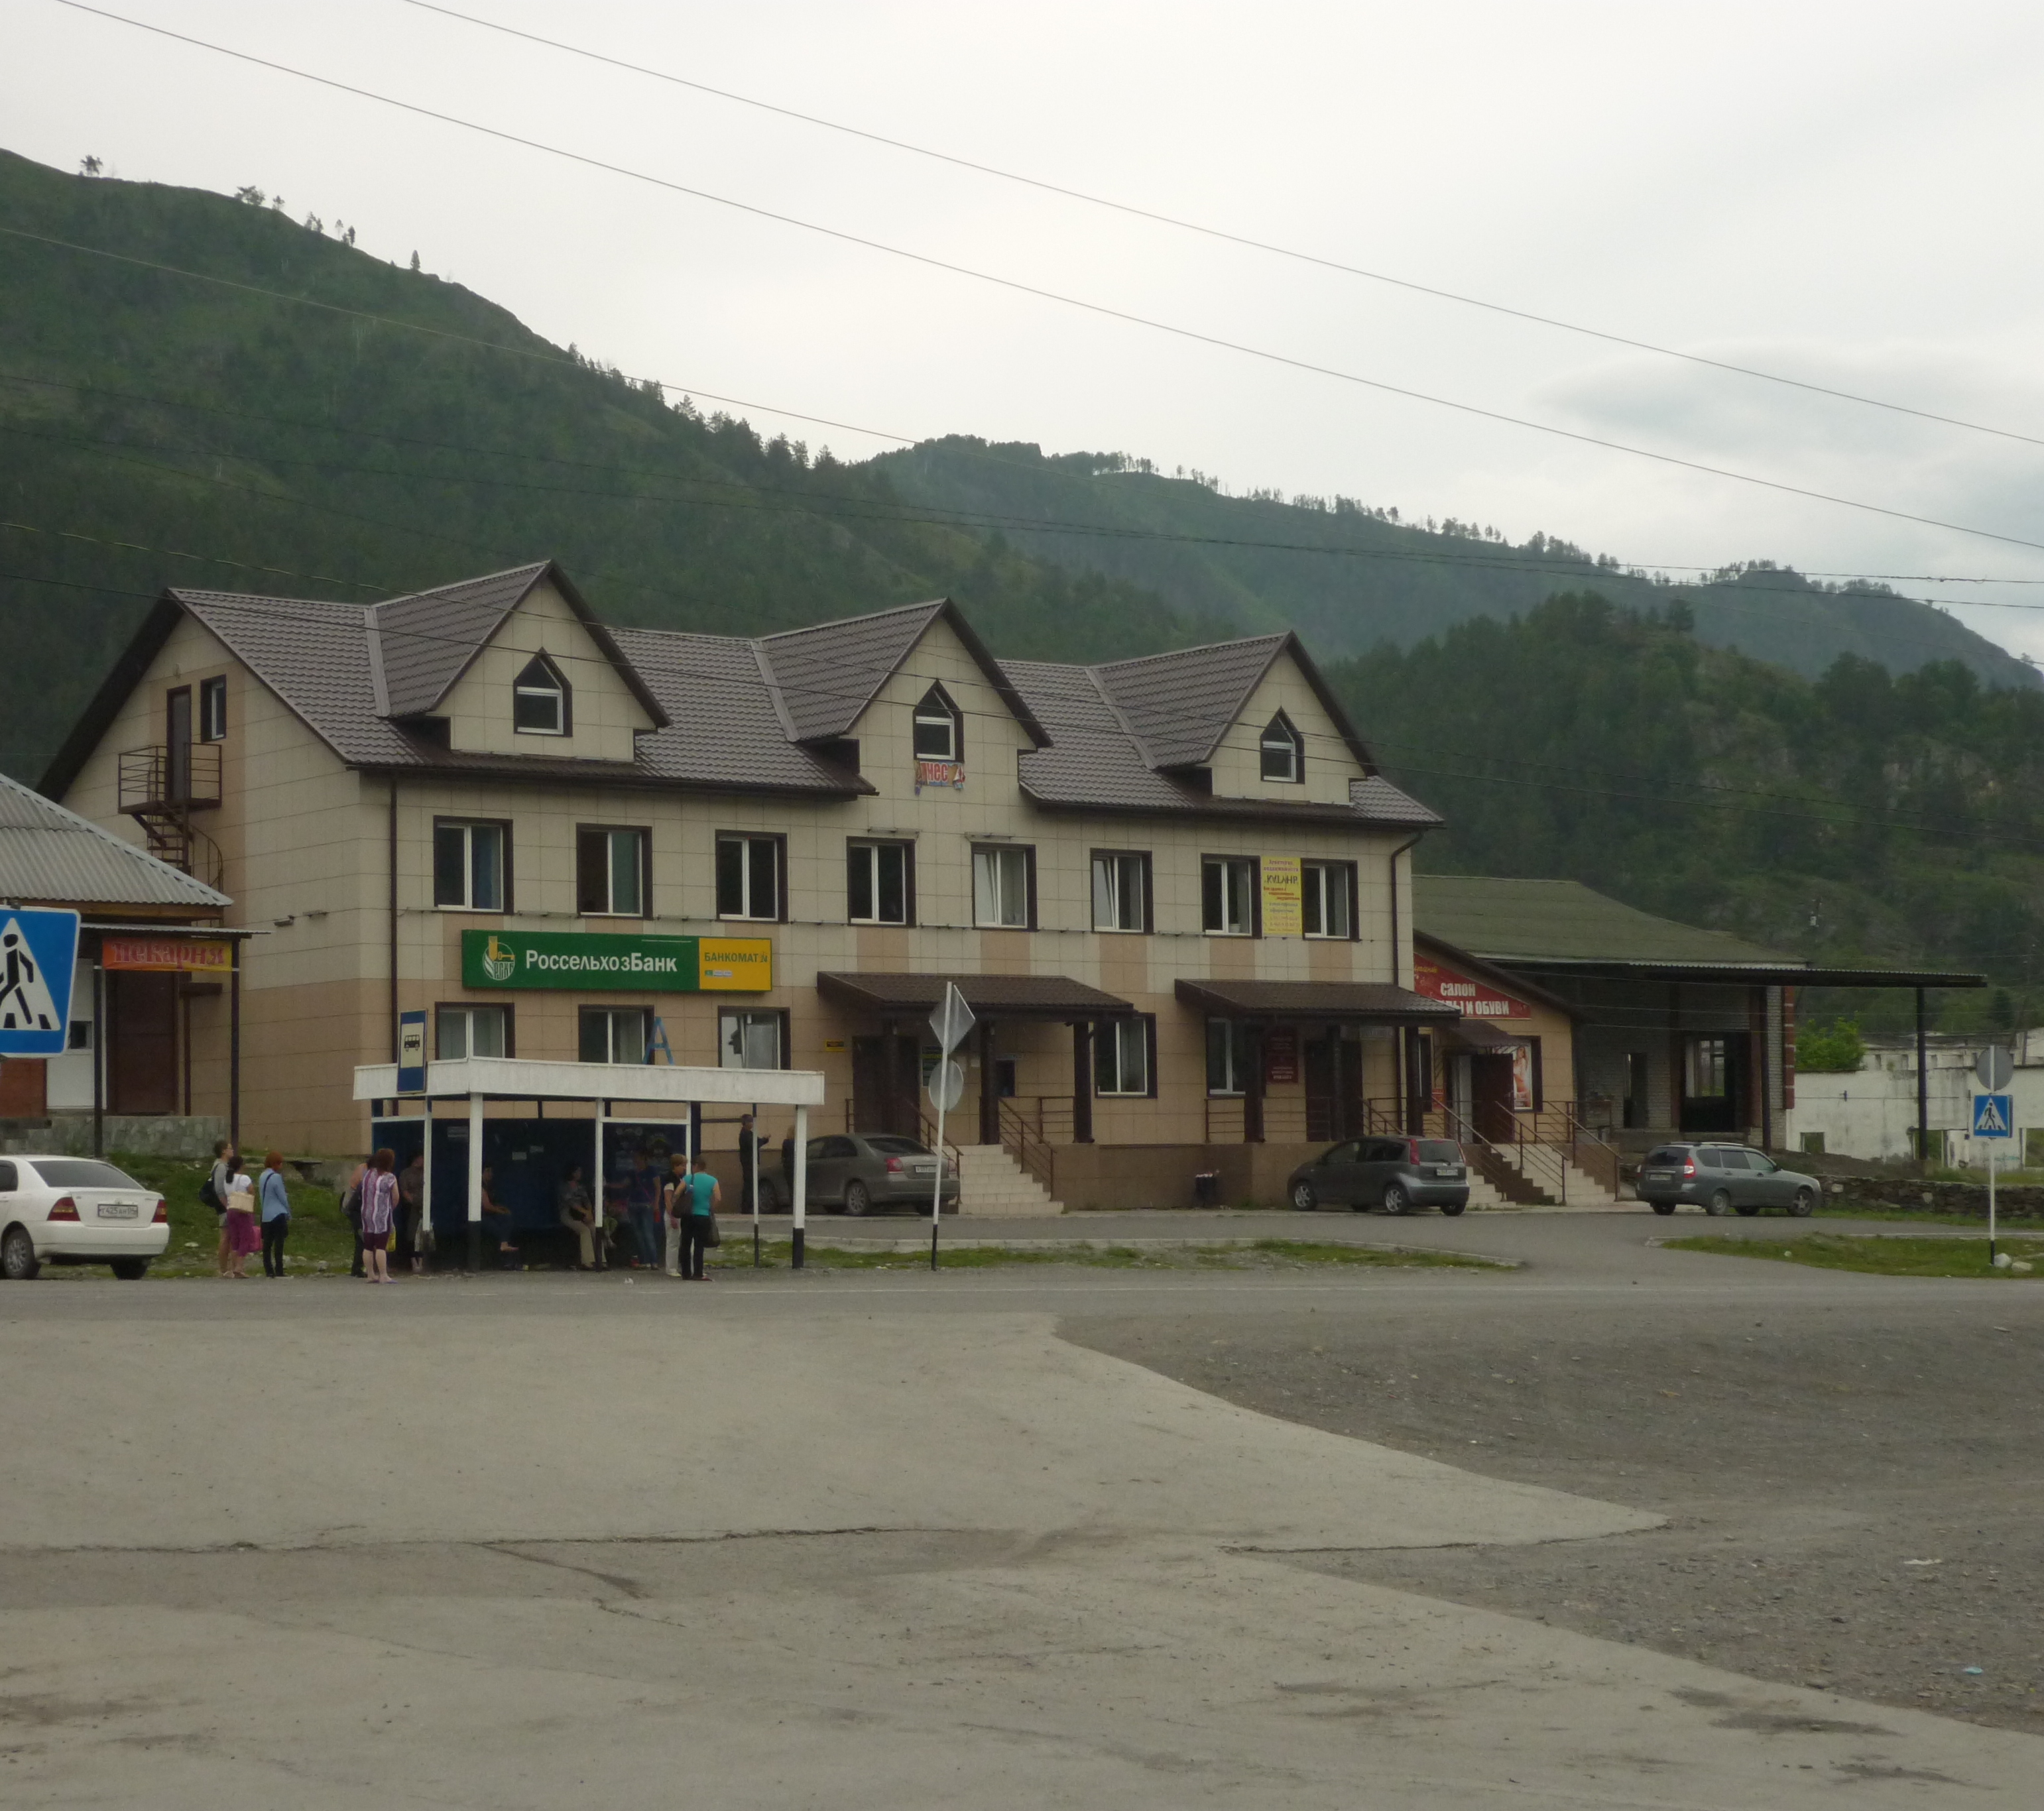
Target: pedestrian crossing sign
[
  {"x": 1994, "y": 1115},
  {"x": 38, "y": 952}
]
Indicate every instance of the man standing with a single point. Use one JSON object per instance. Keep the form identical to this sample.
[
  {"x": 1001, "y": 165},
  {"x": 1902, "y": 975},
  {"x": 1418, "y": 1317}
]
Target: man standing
[{"x": 411, "y": 1199}]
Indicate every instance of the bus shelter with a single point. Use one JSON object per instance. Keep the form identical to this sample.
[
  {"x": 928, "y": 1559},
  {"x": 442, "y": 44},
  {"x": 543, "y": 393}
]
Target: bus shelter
[{"x": 614, "y": 1096}]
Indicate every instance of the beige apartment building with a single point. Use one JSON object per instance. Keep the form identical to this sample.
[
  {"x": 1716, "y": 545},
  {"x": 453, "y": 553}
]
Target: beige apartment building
[{"x": 1175, "y": 890}]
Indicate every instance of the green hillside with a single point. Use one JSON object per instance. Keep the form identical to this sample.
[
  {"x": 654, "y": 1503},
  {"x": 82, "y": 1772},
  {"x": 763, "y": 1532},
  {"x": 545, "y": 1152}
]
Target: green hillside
[
  {"x": 1347, "y": 576},
  {"x": 145, "y": 418},
  {"x": 1857, "y": 818}
]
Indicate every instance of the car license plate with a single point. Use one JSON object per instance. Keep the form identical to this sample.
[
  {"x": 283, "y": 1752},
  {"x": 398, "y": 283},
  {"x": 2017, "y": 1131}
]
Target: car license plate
[
  {"x": 1660, "y": 1175},
  {"x": 923, "y": 1169},
  {"x": 1448, "y": 1170},
  {"x": 119, "y": 1210}
]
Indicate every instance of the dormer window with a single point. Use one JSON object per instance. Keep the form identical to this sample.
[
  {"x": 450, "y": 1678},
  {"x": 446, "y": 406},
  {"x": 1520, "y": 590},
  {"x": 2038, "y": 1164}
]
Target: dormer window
[
  {"x": 939, "y": 732},
  {"x": 1284, "y": 750},
  {"x": 539, "y": 700}
]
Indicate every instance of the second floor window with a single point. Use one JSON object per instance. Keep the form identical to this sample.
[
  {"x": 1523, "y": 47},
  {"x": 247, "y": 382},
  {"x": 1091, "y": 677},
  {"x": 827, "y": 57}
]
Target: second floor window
[
  {"x": 539, "y": 700},
  {"x": 471, "y": 865},
  {"x": 615, "y": 1033},
  {"x": 611, "y": 872},
  {"x": 1227, "y": 892},
  {"x": 748, "y": 876},
  {"x": 471, "y": 1031},
  {"x": 1328, "y": 898},
  {"x": 1002, "y": 888},
  {"x": 212, "y": 709},
  {"x": 1120, "y": 891},
  {"x": 938, "y": 736},
  {"x": 879, "y": 882}
]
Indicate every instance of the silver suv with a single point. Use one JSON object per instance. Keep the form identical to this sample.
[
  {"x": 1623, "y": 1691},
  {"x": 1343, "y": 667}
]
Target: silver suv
[{"x": 1723, "y": 1178}]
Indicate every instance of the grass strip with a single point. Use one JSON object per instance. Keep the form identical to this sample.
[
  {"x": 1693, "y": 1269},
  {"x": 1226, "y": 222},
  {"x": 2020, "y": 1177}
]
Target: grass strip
[{"x": 1876, "y": 1254}]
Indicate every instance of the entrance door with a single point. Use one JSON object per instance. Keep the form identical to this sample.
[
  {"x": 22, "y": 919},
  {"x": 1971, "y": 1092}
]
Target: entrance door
[
  {"x": 1491, "y": 1096},
  {"x": 177, "y": 750},
  {"x": 885, "y": 1075},
  {"x": 142, "y": 1051},
  {"x": 1715, "y": 1068},
  {"x": 1334, "y": 1088}
]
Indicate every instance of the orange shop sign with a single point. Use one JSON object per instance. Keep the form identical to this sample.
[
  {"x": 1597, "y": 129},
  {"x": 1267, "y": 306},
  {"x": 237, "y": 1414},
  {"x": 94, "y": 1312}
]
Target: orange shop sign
[
  {"x": 1476, "y": 1000},
  {"x": 167, "y": 955}
]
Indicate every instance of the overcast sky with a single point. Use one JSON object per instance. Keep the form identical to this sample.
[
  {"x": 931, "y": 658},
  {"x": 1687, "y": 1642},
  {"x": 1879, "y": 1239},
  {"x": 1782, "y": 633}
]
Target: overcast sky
[{"x": 1844, "y": 193}]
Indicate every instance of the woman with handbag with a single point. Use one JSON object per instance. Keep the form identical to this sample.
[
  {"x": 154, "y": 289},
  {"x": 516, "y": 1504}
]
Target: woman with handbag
[
  {"x": 275, "y": 1205},
  {"x": 239, "y": 1230},
  {"x": 699, "y": 1231},
  {"x": 379, "y": 1207}
]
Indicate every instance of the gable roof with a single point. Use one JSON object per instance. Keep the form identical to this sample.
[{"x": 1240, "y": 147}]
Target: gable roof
[
  {"x": 824, "y": 678},
  {"x": 735, "y": 715},
  {"x": 51, "y": 855},
  {"x": 420, "y": 645}
]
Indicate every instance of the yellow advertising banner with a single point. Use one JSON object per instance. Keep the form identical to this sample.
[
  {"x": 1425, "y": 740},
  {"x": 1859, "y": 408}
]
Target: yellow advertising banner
[
  {"x": 735, "y": 964},
  {"x": 1283, "y": 892}
]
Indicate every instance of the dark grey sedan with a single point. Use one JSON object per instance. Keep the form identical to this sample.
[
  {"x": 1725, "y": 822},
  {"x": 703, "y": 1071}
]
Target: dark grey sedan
[
  {"x": 856, "y": 1172},
  {"x": 1722, "y": 1179},
  {"x": 1395, "y": 1174}
]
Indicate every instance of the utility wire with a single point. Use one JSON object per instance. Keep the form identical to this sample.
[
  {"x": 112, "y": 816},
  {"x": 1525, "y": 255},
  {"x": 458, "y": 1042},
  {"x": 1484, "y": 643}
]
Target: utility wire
[
  {"x": 1227, "y": 237},
  {"x": 942, "y": 515},
  {"x": 1102, "y": 310}
]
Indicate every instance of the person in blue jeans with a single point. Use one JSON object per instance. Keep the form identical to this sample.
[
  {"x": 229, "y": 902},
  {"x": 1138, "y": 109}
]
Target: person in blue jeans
[
  {"x": 275, "y": 1203},
  {"x": 704, "y": 1198}
]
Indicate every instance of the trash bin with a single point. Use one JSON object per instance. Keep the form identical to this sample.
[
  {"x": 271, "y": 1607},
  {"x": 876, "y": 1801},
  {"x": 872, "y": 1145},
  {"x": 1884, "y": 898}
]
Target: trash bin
[{"x": 1206, "y": 1188}]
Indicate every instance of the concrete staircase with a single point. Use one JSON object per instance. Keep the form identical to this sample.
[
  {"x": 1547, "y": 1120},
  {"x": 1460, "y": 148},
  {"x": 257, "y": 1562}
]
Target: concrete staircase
[
  {"x": 1535, "y": 1184},
  {"x": 992, "y": 1183}
]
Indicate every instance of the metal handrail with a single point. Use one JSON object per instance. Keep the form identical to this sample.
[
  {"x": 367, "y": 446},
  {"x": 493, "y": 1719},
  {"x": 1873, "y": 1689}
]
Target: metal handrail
[
  {"x": 1028, "y": 1146},
  {"x": 144, "y": 777},
  {"x": 929, "y": 1128}
]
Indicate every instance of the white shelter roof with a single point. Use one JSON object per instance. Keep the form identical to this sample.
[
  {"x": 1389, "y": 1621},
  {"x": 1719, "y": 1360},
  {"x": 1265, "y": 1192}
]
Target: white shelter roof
[{"x": 516, "y": 1078}]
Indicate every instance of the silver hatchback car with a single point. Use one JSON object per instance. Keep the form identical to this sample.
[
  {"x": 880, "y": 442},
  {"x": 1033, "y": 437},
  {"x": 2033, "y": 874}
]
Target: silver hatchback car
[{"x": 1723, "y": 1178}]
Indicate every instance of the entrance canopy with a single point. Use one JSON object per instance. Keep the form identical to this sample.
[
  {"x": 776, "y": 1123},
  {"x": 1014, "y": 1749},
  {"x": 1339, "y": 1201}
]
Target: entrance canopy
[
  {"x": 515, "y": 1078},
  {"x": 1369, "y": 1002},
  {"x": 990, "y": 996}
]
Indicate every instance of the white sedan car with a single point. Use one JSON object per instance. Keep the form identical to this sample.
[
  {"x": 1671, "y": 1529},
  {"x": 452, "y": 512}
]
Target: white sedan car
[{"x": 77, "y": 1210}]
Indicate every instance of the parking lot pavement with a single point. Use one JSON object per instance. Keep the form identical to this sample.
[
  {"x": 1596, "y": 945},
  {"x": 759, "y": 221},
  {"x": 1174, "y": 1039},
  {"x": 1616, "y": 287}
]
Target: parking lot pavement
[{"x": 863, "y": 1540}]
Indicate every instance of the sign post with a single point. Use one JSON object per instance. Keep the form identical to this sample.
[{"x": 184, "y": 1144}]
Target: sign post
[
  {"x": 951, "y": 1022},
  {"x": 1994, "y": 1117}
]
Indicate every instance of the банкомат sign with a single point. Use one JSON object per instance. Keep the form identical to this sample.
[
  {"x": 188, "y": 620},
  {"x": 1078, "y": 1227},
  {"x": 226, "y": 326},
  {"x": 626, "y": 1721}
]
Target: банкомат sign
[{"x": 592, "y": 961}]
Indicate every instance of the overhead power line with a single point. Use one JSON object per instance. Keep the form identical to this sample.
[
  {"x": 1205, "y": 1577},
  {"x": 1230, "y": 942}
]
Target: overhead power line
[
  {"x": 1222, "y": 234},
  {"x": 1102, "y": 310}
]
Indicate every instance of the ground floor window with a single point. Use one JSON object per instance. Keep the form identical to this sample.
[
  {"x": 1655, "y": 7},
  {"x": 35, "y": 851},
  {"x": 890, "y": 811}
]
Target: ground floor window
[
  {"x": 1122, "y": 1056},
  {"x": 1228, "y": 1056},
  {"x": 615, "y": 1033},
  {"x": 752, "y": 1040},
  {"x": 462, "y": 1031}
]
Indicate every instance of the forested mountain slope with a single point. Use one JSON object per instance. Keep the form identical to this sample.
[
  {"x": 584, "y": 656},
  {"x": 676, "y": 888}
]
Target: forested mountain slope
[
  {"x": 1347, "y": 576},
  {"x": 1854, "y": 818},
  {"x": 145, "y": 418}
]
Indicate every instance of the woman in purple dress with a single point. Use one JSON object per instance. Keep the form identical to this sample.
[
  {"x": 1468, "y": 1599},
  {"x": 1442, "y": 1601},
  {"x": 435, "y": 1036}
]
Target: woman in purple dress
[{"x": 379, "y": 1206}]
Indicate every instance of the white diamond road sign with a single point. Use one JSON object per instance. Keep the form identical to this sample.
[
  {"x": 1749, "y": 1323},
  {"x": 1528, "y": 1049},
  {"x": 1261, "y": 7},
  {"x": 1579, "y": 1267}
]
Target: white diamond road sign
[{"x": 1994, "y": 1115}]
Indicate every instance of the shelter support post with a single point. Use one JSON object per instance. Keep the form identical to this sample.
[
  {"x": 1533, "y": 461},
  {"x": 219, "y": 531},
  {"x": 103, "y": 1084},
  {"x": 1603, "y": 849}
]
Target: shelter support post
[
  {"x": 98, "y": 1057},
  {"x": 1082, "y": 1083},
  {"x": 596, "y": 1184},
  {"x": 234, "y": 1046},
  {"x": 475, "y": 1181},
  {"x": 423, "y": 1238},
  {"x": 1923, "y": 1081},
  {"x": 799, "y": 1182}
]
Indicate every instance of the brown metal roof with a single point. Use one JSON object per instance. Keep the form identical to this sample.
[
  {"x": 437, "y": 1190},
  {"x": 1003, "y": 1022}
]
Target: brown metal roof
[
  {"x": 990, "y": 996},
  {"x": 1367, "y": 1002}
]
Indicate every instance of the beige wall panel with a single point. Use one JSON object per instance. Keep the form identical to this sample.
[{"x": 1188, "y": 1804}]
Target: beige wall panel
[{"x": 1237, "y": 764}]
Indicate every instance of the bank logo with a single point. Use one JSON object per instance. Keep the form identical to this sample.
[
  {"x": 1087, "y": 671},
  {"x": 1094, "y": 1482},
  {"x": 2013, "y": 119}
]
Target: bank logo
[{"x": 499, "y": 963}]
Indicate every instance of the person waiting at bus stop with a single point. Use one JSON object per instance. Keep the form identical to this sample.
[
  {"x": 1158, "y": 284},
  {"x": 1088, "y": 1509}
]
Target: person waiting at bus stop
[{"x": 700, "y": 1197}]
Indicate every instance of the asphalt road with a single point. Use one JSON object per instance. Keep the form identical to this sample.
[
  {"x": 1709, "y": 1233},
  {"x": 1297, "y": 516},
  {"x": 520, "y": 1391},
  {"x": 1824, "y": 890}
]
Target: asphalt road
[{"x": 1445, "y": 1539}]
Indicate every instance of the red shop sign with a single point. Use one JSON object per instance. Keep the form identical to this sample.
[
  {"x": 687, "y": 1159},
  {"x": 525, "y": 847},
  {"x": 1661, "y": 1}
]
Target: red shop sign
[{"x": 1476, "y": 1000}]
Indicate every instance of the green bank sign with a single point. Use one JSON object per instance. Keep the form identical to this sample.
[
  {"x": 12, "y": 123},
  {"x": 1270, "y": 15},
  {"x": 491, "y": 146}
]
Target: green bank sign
[{"x": 591, "y": 962}]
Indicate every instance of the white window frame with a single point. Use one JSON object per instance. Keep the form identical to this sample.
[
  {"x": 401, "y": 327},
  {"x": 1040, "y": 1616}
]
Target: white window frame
[
  {"x": 556, "y": 691},
  {"x": 1001, "y": 884},
  {"x": 747, "y": 840},
  {"x": 861, "y": 851},
  {"x": 613, "y": 1017},
  {"x": 1120, "y": 891},
  {"x": 467, "y": 828},
  {"x": 1230, "y": 865},
  {"x": 1281, "y": 733},
  {"x": 212, "y": 708},
  {"x": 933, "y": 707},
  {"x": 447, "y": 1017},
  {"x": 1314, "y": 879},
  {"x": 1234, "y": 1059},
  {"x": 1130, "y": 1041},
  {"x": 741, "y": 1034}
]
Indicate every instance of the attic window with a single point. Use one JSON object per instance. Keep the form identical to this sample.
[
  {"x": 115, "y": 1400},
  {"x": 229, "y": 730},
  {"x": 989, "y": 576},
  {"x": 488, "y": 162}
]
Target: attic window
[
  {"x": 938, "y": 736},
  {"x": 1284, "y": 750},
  {"x": 539, "y": 700}
]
